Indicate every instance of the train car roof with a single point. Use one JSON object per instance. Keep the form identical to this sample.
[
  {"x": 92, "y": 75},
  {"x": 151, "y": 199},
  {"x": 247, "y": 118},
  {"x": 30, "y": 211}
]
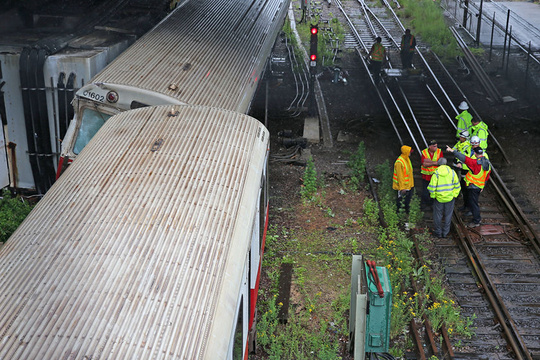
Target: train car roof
[
  {"x": 137, "y": 251},
  {"x": 206, "y": 52}
]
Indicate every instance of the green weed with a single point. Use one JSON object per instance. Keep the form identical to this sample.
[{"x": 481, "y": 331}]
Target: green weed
[{"x": 13, "y": 210}]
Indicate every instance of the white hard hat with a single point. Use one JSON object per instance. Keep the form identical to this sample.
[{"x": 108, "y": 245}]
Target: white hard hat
[
  {"x": 463, "y": 106},
  {"x": 475, "y": 140},
  {"x": 464, "y": 134}
]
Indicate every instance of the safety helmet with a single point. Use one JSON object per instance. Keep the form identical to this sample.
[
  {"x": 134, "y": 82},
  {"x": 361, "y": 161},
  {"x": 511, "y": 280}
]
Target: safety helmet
[
  {"x": 463, "y": 106},
  {"x": 464, "y": 134},
  {"x": 475, "y": 140}
]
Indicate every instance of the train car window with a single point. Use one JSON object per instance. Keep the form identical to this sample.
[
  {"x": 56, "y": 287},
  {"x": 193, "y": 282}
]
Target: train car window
[
  {"x": 135, "y": 105},
  {"x": 238, "y": 347},
  {"x": 91, "y": 122}
]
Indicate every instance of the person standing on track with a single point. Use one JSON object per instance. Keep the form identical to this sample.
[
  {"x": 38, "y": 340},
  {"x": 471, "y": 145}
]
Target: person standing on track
[
  {"x": 443, "y": 188},
  {"x": 463, "y": 146},
  {"x": 476, "y": 179},
  {"x": 378, "y": 54},
  {"x": 463, "y": 119},
  {"x": 403, "y": 180},
  {"x": 429, "y": 159},
  {"x": 480, "y": 129},
  {"x": 408, "y": 46}
]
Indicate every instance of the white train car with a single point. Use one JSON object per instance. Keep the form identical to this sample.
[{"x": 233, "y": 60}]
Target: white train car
[
  {"x": 149, "y": 246},
  {"x": 205, "y": 52}
]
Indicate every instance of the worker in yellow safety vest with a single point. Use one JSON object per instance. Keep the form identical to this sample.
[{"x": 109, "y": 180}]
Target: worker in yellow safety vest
[
  {"x": 463, "y": 119},
  {"x": 476, "y": 179},
  {"x": 443, "y": 188},
  {"x": 480, "y": 129},
  {"x": 378, "y": 55},
  {"x": 403, "y": 180}
]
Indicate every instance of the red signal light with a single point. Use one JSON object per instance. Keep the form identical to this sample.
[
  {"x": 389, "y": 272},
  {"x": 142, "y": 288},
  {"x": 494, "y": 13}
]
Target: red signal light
[
  {"x": 314, "y": 30},
  {"x": 313, "y": 57}
]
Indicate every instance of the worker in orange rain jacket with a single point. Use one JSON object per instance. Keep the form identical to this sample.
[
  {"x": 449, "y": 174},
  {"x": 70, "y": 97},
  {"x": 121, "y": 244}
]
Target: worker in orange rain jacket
[{"x": 403, "y": 180}]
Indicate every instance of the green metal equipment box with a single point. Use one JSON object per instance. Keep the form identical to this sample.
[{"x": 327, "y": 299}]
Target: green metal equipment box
[{"x": 369, "y": 324}]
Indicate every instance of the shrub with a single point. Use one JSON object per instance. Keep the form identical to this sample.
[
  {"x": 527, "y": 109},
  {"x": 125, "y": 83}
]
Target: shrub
[{"x": 13, "y": 210}]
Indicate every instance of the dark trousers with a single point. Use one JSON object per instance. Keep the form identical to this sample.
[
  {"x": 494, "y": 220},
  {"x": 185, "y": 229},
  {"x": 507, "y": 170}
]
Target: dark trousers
[
  {"x": 465, "y": 193},
  {"x": 404, "y": 200},
  {"x": 406, "y": 59},
  {"x": 442, "y": 217},
  {"x": 473, "y": 193},
  {"x": 375, "y": 68},
  {"x": 426, "y": 198}
]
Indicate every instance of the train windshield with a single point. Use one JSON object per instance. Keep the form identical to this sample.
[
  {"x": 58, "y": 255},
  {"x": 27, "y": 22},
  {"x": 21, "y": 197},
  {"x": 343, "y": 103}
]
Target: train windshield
[{"x": 91, "y": 122}]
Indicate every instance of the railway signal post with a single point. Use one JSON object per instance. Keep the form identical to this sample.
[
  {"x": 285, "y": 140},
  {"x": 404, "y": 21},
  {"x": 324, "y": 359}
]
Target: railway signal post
[{"x": 313, "y": 66}]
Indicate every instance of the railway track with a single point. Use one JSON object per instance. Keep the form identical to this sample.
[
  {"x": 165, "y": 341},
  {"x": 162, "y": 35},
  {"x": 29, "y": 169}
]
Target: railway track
[{"x": 493, "y": 269}]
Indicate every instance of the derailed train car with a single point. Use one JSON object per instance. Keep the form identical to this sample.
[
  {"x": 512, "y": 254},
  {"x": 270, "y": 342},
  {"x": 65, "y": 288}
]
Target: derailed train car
[
  {"x": 148, "y": 246},
  {"x": 48, "y": 50},
  {"x": 206, "y": 52}
]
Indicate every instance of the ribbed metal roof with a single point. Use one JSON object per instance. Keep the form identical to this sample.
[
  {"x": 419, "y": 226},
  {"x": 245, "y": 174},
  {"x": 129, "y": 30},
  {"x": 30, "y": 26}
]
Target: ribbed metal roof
[
  {"x": 214, "y": 51},
  {"x": 137, "y": 251}
]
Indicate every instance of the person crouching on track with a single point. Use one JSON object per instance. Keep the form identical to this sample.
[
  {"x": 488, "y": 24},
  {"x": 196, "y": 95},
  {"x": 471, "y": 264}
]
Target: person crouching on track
[
  {"x": 476, "y": 179},
  {"x": 443, "y": 188},
  {"x": 430, "y": 156},
  {"x": 403, "y": 180}
]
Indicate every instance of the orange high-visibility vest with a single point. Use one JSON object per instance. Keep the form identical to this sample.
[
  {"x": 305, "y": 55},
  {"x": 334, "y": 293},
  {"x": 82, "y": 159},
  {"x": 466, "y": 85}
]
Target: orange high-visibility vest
[
  {"x": 478, "y": 179},
  {"x": 436, "y": 156},
  {"x": 378, "y": 52}
]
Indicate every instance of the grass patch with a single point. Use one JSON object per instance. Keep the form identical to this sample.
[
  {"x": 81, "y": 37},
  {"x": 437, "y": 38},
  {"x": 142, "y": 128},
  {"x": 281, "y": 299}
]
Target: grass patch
[
  {"x": 13, "y": 210},
  {"x": 426, "y": 18}
]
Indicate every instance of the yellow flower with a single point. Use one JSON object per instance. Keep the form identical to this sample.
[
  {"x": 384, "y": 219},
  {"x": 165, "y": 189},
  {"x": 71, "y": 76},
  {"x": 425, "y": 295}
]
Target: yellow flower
[{"x": 280, "y": 303}]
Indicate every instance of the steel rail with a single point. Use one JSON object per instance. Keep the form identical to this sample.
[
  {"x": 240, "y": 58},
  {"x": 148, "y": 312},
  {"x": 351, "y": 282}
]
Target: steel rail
[
  {"x": 486, "y": 83},
  {"x": 476, "y": 114},
  {"x": 366, "y": 17},
  {"x": 447, "y": 345},
  {"x": 448, "y": 117},
  {"x": 511, "y": 204},
  {"x": 432, "y": 75},
  {"x": 499, "y": 308},
  {"x": 413, "y": 115},
  {"x": 356, "y": 35}
]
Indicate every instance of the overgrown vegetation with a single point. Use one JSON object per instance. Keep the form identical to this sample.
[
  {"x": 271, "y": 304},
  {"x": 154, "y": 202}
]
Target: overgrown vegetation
[
  {"x": 13, "y": 210},
  {"x": 330, "y": 36},
  {"x": 395, "y": 252},
  {"x": 426, "y": 19},
  {"x": 317, "y": 325},
  {"x": 357, "y": 164}
]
